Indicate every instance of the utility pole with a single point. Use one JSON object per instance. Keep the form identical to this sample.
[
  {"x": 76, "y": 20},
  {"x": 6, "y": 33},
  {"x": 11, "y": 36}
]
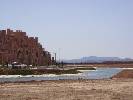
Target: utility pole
[
  {"x": 59, "y": 57},
  {"x": 55, "y": 57}
]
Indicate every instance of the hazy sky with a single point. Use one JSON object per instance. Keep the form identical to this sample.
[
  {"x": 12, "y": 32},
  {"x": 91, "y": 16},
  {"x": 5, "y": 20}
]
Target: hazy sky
[{"x": 74, "y": 28}]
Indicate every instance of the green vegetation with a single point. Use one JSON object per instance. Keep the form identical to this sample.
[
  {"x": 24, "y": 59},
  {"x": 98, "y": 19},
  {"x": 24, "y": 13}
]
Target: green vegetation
[
  {"x": 85, "y": 68},
  {"x": 16, "y": 72},
  {"x": 41, "y": 71},
  {"x": 57, "y": 72}
]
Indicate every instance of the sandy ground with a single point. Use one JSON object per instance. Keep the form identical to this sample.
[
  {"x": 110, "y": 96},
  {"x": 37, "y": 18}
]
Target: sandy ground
[
  {"x": 107, "y": 65},
  {"x": 115, "y": 65},
  {"x": 124, "y": 74},
  {"x": 112, "y": 89}
]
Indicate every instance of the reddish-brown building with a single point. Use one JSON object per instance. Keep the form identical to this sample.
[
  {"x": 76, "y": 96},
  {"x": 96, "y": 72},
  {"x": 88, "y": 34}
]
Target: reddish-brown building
[{"x": 18, "y": 47}]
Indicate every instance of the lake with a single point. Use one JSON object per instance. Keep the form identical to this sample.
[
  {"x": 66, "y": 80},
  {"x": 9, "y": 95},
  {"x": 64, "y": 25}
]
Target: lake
[{"x": 99, "y": 73}]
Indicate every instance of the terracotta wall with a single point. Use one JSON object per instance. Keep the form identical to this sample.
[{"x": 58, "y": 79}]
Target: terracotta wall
[{"x": 18, "y": 47}]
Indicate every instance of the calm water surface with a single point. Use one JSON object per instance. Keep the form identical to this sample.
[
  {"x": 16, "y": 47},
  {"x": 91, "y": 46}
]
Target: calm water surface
[{"x": 99, "y": 73}]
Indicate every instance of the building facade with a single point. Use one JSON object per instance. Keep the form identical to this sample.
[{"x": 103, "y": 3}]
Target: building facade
[{"x": 18, "y": 47}]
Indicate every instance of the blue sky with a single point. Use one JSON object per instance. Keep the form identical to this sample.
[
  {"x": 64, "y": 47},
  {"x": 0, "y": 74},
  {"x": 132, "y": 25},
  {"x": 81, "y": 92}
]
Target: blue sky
[{"x": 74, "y": 28}]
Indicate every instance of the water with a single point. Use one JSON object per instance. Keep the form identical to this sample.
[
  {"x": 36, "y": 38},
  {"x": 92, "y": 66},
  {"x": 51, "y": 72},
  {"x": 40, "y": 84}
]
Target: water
[
  {"x": 102, "y": 73},
  {"x": 99, "y": 73}
]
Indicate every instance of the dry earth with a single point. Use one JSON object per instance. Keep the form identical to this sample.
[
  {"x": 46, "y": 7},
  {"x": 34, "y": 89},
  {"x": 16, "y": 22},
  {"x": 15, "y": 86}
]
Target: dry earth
[
  {"x": 114, "y": 65},
  {"x": 124, "y": 74},
  {"x": 112, "y": 89}
]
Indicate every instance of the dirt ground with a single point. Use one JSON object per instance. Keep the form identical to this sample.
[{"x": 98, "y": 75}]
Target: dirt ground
[
  {"x": 111, "y": 89},
  {"x": 124, "y": 74},
  {"x": 114, "y": 65}
]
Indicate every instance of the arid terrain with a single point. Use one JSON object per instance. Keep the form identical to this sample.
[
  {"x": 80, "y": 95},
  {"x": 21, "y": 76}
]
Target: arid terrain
[
  {"x": 119, "y": 65},
  {"x": 124, "y": 74},
  {"x": 111, "y": 89},
  {"x": 110, "y": 65},
  {"x": 119, "y": 87}
]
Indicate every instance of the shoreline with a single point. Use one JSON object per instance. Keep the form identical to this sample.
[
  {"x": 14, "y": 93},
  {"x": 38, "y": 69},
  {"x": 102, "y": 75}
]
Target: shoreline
[
  {"x": 126, "y": 73},
  {"x": 120, "y": 65},
  {"x": 114, "y": 88}
]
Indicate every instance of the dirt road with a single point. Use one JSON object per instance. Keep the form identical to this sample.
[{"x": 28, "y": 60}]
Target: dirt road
[{"x": 115, "y": 89}]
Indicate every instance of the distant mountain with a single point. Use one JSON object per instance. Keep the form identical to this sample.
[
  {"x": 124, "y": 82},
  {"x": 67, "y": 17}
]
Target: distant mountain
[{"x": 95, "y": 59}]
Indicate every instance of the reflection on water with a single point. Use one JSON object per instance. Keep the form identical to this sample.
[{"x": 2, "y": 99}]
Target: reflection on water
[{"x": 99, "y": 73}]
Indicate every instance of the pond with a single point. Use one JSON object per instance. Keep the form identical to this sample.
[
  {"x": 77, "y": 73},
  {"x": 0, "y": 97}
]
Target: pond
[{"x": 99, "y": 73}]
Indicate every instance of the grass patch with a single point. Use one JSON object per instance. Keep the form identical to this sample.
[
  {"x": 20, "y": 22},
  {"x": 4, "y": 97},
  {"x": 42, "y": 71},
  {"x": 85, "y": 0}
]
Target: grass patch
[
  {"x": 16, "y": 72},
  {"x": 56, "y": 71},
  {"x": 36, "y": 72},
  {"x": 85, "y": 68},
  {"x": 41, "y": 71}
]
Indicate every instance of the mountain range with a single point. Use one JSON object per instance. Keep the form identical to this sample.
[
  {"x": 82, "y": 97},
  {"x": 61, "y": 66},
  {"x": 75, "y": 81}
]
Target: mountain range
[{"x": 95, "y": 59}]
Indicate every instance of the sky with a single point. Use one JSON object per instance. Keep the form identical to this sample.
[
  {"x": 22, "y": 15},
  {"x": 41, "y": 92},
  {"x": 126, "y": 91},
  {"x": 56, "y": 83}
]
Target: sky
[{"x": 74, "y": 28}]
